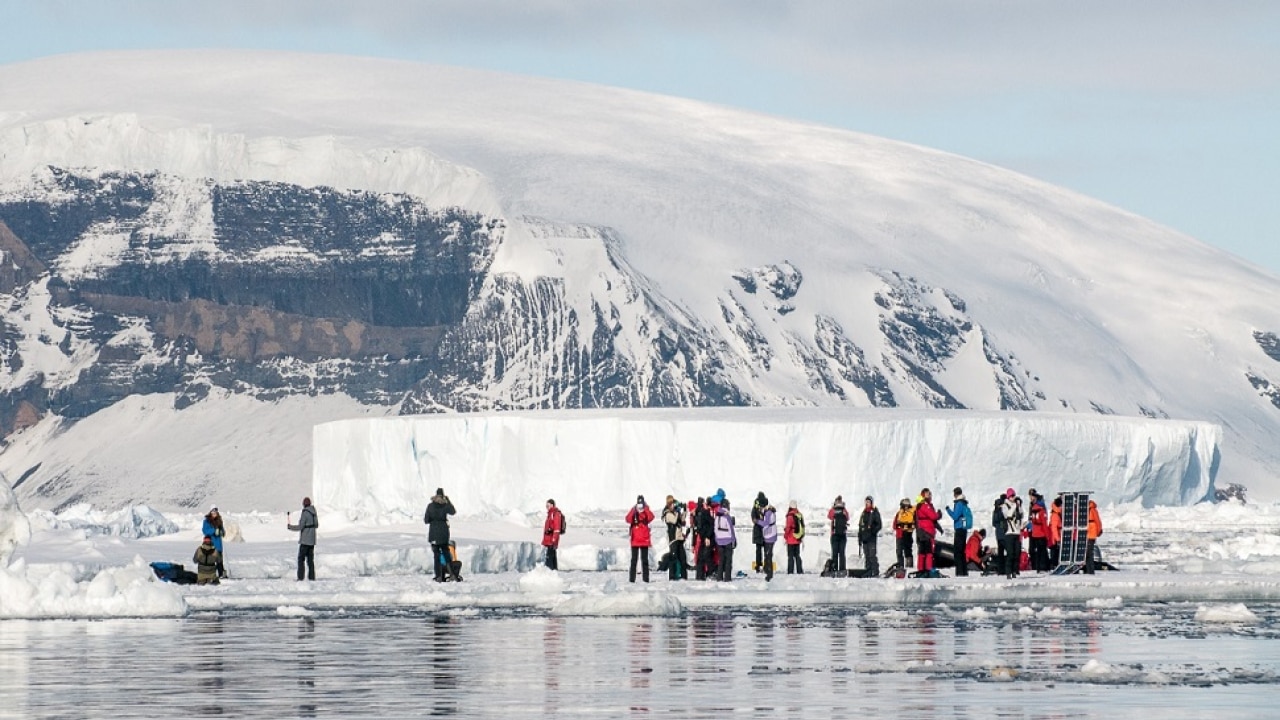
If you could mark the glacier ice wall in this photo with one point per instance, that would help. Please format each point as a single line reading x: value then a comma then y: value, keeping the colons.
x: 387, y: 468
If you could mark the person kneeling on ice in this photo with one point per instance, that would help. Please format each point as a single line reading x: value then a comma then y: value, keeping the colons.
x: 975, y: 555
x: 207, y: 559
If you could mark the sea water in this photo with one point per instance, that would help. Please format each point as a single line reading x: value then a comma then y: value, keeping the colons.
x: 985, y: 662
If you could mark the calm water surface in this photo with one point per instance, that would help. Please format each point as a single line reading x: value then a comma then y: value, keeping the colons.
x: 920, y: 663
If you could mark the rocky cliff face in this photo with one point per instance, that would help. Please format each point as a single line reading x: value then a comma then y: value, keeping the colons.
x: 160, y: 284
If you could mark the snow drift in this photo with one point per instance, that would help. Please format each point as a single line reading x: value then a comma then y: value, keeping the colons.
x: 597, y: 460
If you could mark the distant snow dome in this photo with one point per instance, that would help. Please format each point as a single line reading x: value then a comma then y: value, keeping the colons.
x: 387, y: 468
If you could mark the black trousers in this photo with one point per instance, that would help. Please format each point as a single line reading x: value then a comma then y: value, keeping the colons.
x: 726, y: 562
x: 442, y: 556
x: 678, y: 568
x: 1012, y: 554
x: 838, y: 543
x: 706, y: 559
x: 307, y: 556
x: 957, y: 551
x: 869, y: 552
x: 1088, y: 556
x: 641, y: 555
x: 551, y: 558
x: 794, y: 565
x: 768, y: 561
x: 1039, y: 554
x: 904, y: 551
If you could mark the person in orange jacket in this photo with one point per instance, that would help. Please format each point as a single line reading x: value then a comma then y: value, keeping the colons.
x: 1055, y: 532
x: 1094, y: 530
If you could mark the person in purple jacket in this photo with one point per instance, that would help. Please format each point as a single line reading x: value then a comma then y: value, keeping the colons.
x: 726, y: 540
x: 768, y: 524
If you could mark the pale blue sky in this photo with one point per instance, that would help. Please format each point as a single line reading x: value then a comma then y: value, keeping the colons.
x: 1167, y: 108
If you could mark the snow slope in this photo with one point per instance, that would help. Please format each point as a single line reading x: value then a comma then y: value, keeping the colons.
x: 1094, y: 310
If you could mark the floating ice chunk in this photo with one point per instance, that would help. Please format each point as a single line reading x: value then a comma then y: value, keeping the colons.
x: 542, y: 580
x: 1105, y: 603
x: 621, y: 604
x: 293, y: 611
x: 1234, y: 613
x: 1097, y: 668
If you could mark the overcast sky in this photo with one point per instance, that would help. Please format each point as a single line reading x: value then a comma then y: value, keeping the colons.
x: 1167, y: 108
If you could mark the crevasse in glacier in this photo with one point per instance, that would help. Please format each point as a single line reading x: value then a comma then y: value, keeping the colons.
x: 387, y: 468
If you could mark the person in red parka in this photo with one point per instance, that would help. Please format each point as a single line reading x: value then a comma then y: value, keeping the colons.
x: 551, y: 530
x: 927, y: 517
x: 1038, y: 515
x: 639, y: 518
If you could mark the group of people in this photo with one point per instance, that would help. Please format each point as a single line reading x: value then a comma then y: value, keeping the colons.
x: 712, y: 528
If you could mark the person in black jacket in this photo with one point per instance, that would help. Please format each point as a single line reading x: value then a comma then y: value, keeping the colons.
x: 869, y: 526
x: 704, y: 524
x: 838, y: 516
x: 437, y: 520
x: 757, y: 535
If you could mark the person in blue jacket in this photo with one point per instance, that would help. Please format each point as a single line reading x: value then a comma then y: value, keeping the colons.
x: 214, y: 528
x: 962, y: 522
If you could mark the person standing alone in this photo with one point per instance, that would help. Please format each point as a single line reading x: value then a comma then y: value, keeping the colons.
x: 551, y: 530
x: 639, y: 518
x: 437, y: 519
x: 308, y: 521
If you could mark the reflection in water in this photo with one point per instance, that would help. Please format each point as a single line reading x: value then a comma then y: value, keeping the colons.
x: 920, y: 663
x: 209, y: 670
x: 306, y: 667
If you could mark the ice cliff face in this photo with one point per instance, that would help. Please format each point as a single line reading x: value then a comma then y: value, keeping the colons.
x: 268, y: 228
x: 387, y: 469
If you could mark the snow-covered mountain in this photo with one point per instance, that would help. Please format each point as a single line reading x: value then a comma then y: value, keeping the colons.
x: 206, y: 252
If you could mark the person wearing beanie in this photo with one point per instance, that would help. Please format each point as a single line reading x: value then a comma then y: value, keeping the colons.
x: 757, y: 533
x: 838, y: 516
x: 726, y: 540
x: 638, y: 518
x: 927, y: 517
x: 904, y: 528
x: 1009, y: 513
x: 306, y: 526
x: 551, y: 530
x: 961, y: 521
x: 216, y: 530
x: 768, y: 525
x: 206, y: 559
x: 436, y: 518
x: 673, y: 516
x: 869, y: 526
x: 793, y: 534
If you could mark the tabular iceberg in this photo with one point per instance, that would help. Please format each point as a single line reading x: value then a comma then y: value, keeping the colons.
x: 387, y: 468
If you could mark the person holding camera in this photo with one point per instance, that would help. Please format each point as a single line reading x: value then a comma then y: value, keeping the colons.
x: 437, y: 520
